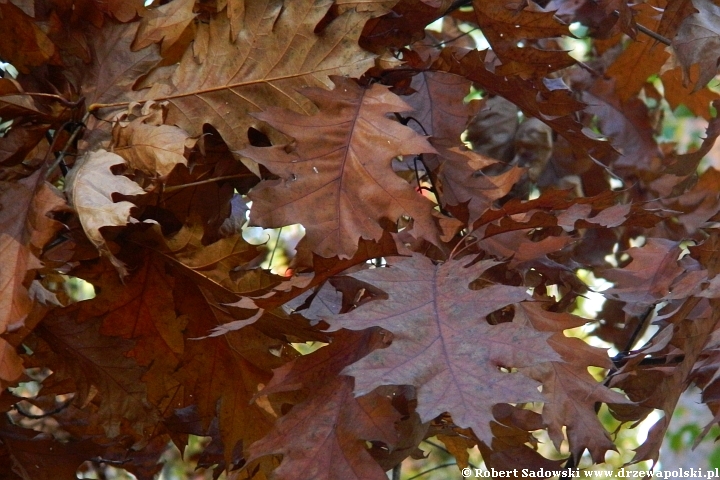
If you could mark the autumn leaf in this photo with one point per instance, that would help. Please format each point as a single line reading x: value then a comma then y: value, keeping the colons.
x: 97, y: 364
x: 696, y: 42
x: 509, y: 26
x: 148, y: 145
x: 571, y: 392
x: 278, y: 51
x: 439, y: 328
x: 468, y: 191
x: 439, y: 107
x: 90, y: 186
x: 330, y: 428
x: 648, y: 277
x: 26, y: 229
x: 165, y: 24
x: 25, y: 44
x: 341, y: 173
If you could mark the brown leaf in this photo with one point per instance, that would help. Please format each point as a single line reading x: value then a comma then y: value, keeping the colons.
x: 640, y: 60
x: 155, y: 149
x: 116, y: 68
x: 698, y: 42
x: 511, y: 28
x: 340, y: 173
x: 463, y: 182
x: 221, y: 375
x: 403, y: 26
x: 309, y: 371
x: 324, y: 437
x: 276, y: 54
x: 98, y: 366
x: 90, y: 186
x: 492, y: 130
x: 25, y: 230
x: 439, y: 330
x: 627, y: 125
x: 24, y: 44
x: 677, y: 93
x: 647, y: 279
x: 37, y: 456
x: 165, y: 24
x: 439, y: 107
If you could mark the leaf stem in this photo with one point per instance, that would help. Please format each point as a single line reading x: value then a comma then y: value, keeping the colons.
x: 654, y: 35
x: 61, y: 157
x: 202, y: 182
x: 425, y: 472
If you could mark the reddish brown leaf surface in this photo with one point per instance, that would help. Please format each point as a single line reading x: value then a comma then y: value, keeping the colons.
x: 339, y: 173
x: 509, y: 26
x: 148, y: 145
x: 439, y: 280
x: 697, y: 42
x: 648, y: 277
x: 164, y: 24
x: 97, y: 364
x: 330, y: 428
x: 439, y: 107
x: 463, y: 182
x: 439, y: 329
x: 571, y: 391
x: 26, y: 229
x: 277, y: 51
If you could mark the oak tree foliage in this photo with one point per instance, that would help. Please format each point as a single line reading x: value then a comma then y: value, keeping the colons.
x: 447, y: 241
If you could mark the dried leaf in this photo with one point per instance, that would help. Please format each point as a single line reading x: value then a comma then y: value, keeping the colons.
x: 439, y: 328
x: 329, y: 428
x: 336, y: 174
x: 165, y: 24
x: 278, y: 51
x: 90, y: 186
x: 697, y: 42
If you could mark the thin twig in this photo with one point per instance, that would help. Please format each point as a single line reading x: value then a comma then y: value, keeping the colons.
x: 33, y: 416
x: 58, y: 98
x: 441, y: 448
x: 648, y: 32
x: 202, y: 182
x: 61, y: 157
x: 277, y: 242
x: 432, y: 469
x: 445, y: 42
x: 397, y: 469
x: 654, y: 35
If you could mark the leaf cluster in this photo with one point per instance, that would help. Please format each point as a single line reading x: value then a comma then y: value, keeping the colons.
x: 446, y: 240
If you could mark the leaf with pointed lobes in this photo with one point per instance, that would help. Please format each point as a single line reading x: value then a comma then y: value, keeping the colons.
x: 25, y: 229
x: 468, y: 191
x: 404, y: 25
x: 571, y: 391
x: 698, y: 42
x: 341, y: 188
x: 440, y: 109
x: 324, y: 437
x: 515, y: 32
x: 148, y: 145
x: 90, y: 186
x: 648, y: 278
x: 165, y: 24
x: 100, y: 370
x: 230, y: 72
x: 39, y: 456
x: 309, y: 371
x: 443, y: 344
x: 23, y: 44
